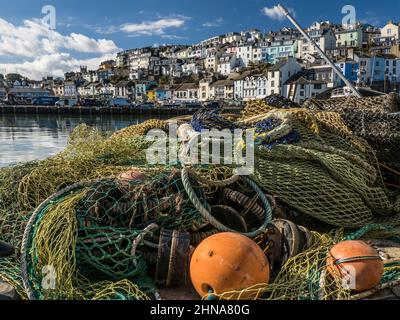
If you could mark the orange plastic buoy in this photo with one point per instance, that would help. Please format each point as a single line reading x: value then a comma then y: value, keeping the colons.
x: 132, y: 175
x: 357, y: 263
x: 228, y: 262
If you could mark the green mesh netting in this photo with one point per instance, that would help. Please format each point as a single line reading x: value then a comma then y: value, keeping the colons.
x: 96, y: 235
x: 327, y: 176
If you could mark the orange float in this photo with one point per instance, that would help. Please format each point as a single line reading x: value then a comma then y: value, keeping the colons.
x: 228, y: 262
x: 131, y: 175
x: 356, y: 262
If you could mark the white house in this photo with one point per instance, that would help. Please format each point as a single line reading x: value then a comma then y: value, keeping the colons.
x: 187, y: 92
x: 303, y: 89
x: 211, y: 42
x: 366, y: 62
x: 70, y: 90
x: 204, y: 89
x: 91, y: 89
x: 232, y: 37
x: 239, y: 85
x: 226, y: 64
x: 222, y: 90
x: 108, y: 89
x: 58, y: 89
x: 136, y: 74
x: 211, y: 61
x: 252, y: 35
x: 392, y: 68
x: 278, y: 74
x: 249, y: 88
x: 323, y: 35
x: 192, y: 67
x: 390, y: 32
x: 255, y: 87
x: 124, y: 89
x: 248, y: 54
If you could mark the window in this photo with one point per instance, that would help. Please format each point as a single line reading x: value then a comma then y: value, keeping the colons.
x: 301, y: 93
x: 387, y: 63
x: 272, y: 83
x: 317, y: 86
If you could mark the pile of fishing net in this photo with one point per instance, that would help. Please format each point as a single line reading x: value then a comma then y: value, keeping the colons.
x: 275, y: 101
x: 96, y: 222
x: 375, y: 119
x: 90, y: 154
x: 102, y: 228
x: 321, y: 169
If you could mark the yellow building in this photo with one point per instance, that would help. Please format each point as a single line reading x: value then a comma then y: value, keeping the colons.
x: 151, y: 95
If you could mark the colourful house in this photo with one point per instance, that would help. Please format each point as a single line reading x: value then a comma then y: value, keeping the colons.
x: 349, y: 69
x: 151, y: 95
x: 350, y: 37
x: 141, y: 88
x: 276, y: 50
x: 163, y: 94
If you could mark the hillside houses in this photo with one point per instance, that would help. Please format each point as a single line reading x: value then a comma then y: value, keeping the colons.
x: 323, y: 35
x: 222, y: 90
x: 187, y: 92
x: 227, y: 64
x: 238, y: 66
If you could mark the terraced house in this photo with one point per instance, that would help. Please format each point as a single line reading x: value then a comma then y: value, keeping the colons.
x: 187, y: 92
x: 273, y: 51
x: 222, y: 90
x: 322, y: 34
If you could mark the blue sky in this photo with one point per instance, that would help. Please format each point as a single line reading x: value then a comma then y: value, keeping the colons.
x: 87, y: 31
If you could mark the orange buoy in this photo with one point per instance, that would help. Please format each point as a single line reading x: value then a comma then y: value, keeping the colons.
x: 228, y: 262
x: 357, y: 263
x: 131, y: 175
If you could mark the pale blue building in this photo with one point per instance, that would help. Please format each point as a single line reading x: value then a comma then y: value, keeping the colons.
x: 273, y: 51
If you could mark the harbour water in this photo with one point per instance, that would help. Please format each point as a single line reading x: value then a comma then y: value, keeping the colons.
x: 33, y: 137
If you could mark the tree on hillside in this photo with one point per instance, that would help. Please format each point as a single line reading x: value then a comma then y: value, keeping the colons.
x: 12, y: 77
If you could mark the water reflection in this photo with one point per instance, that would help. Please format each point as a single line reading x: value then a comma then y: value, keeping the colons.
x: 32, y: 137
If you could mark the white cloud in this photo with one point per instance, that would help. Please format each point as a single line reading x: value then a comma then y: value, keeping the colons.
x: 213, y: 24
x: 149, y: 28
x: 41, y: 51
x: 172, y: 37
x: 275, y: 13
x: 104, y: 30
x: 33, y: 39
x: 53, y: 64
